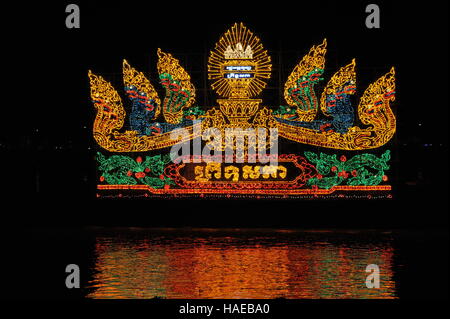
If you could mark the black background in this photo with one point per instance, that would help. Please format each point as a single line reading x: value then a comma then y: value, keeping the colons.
x: 48, y: 151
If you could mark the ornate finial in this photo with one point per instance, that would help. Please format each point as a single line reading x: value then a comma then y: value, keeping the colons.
x: 239, y: 65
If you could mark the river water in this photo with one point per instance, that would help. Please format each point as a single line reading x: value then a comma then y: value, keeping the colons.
x: 241, y: 263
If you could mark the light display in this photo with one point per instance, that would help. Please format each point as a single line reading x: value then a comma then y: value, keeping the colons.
x: 299, y: 88
x: 144, y: 134
x: 354, y: 171
x: 123, y: 170
x: 229, y: 57
x: 146, y: 103
x: 238, y: 68
x: 338, y: 132
x: 180, y: 93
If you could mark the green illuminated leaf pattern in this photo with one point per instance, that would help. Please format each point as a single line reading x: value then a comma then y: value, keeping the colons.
x: 124, y: 170
x: 360, y: 170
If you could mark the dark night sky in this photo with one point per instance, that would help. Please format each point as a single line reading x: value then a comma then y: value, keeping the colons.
x: 47, y: 123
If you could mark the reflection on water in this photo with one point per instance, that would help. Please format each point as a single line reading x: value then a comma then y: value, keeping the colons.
x: 240, y: 264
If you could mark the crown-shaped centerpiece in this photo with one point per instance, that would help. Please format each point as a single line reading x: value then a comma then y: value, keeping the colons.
x: 239, y: 66
x: 239, y: 52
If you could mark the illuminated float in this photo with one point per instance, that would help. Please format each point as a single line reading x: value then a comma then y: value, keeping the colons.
x: 140, y: 162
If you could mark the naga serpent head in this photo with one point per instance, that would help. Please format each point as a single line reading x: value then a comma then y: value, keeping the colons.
x: 313, y: 77
x: 339, y: 102
x: 141, y: 100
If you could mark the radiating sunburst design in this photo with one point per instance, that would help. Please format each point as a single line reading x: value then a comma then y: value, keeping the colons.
x: 242, y: 52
